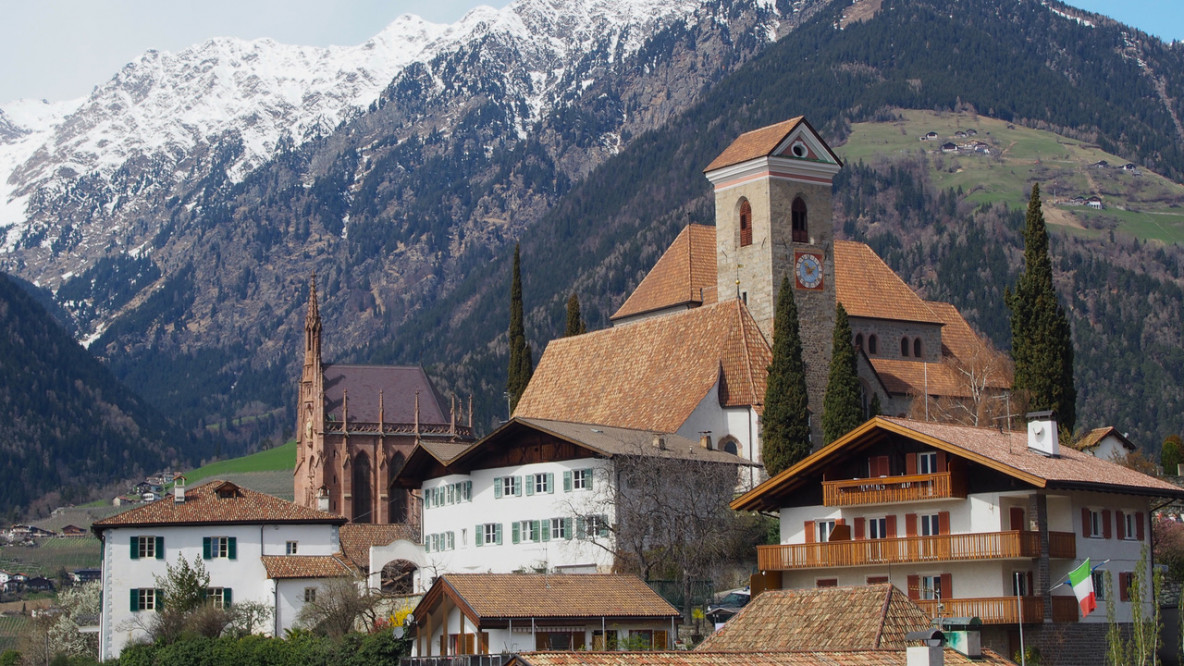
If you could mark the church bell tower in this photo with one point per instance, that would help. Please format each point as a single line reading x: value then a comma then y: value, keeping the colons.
x: 310, y: 449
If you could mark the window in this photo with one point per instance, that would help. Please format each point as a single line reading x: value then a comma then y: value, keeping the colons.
x: 540, y: 484
x: 745, y: 223
x: 917, y: 347
x: 577, y: 479
x: 561, y: 528
x: 144, y: 599
x: 527, y: 531
x: 489, y: 534
x: 876, y: 580
x: 931, y: 587
x: 859, y: 340
x: 1096, y: 525
x: 1125, y: 578
x: 930, y: 525
x: 647, y: 639
x: 219, y: 548
x: 1131, y: 524
x: 507, y: 486
x: 904, y: 347
x: 824, y: 528
x: 927, y: 463
x: 310, y: 595
x: 591, y: 526
x: 1099, y: 584
x: 290, y: 548
x: 801, y: 233
x: 1021, y: 583
x: 147, y: 547
x: 220, y: 597
x: 877, y: 528
x: 826, y: 582
x: 873, y: 344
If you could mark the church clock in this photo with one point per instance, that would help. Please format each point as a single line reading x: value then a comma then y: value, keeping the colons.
x: 808, y: 270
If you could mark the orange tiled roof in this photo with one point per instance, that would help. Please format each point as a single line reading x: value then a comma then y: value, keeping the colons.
x: 203, y: 506
x: 357, y: 539
x: 557, y: 596
x: 837, y: 618
x: 916, y: 377
x: 882, y: 657
x: 684, y: 275
x: 1093, y: 437
x: 650, y: 375
x: 757, y: 143
x: 307, y: 566
x: 867, y: 287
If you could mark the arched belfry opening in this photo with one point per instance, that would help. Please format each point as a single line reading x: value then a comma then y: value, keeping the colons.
x: 745, y: 223
x: 801, y: 232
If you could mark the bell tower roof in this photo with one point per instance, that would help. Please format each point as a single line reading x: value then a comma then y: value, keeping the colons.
x: 791, y: 145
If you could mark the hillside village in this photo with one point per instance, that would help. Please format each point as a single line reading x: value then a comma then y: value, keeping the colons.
x: 632, y: 480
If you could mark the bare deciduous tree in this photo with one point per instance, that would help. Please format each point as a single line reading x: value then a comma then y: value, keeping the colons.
x: 340, y: 606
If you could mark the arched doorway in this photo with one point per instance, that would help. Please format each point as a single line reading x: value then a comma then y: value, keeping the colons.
x: 363, y: 506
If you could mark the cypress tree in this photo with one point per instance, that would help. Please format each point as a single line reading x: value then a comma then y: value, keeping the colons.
x: 785, y: 424
x: 842, y: 407
x: 1171, y: 455
x: 521, y: 365
x: 575, y: 323
x: 1041, y: 342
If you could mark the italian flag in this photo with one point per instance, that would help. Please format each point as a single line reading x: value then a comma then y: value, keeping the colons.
x: 1083, y: 586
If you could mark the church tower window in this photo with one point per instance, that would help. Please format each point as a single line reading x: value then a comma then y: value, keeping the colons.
x: 904, y: 347
x: 917, y: 347
x: 798, y: 218
x: 745, y: 223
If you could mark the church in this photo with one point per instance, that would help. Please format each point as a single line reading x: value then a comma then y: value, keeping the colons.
x: 689, y: 349
x: 356, y: 425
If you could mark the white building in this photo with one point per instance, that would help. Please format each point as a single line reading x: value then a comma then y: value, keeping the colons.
x: 534, y: 495
x: 1108, y: 444
x: 255, y: 547
x: 971, y: 522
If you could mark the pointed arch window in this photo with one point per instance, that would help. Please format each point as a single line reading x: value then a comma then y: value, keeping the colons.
x: 363, y: 509
x: 859, y: 340
x: 872, y: 344
x: 745, y: 223
x: 397, y: 497
x: 801, y: 233
x: 917, y: 347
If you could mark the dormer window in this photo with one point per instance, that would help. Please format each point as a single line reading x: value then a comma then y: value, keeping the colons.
x: 745, y: 223
x: 798, y: 220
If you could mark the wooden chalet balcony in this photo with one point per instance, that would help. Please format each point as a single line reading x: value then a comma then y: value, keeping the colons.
x: 1003, y: 610
x: 887, y: 489
x: 947, y: 547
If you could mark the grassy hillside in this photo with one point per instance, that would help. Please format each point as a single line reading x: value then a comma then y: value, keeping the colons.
x: 1138, y: 203
x: 280, y: 458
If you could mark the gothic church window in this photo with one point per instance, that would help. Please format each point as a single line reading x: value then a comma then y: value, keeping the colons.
x: 917, y: 347
x: 363, y: 511
x: 397, y: 509
x: 872, y: 344
x: 745, y: 223
x: 904, y: 347
x: 798, y: 218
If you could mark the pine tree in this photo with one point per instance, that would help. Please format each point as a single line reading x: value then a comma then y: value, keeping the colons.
x: 785, y: 425
x: 1171, y: 455
x: 1041, y: 342
x: 575, y: 322
x: 521, y: 365
x: 842, y: 407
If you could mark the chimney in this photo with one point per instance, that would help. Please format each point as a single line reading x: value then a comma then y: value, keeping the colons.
x: 930, y: 651
x: 1042, y: 433
x: 322, y: 499
x: 659, y: 442
x: 179, y: 489
x: 705, y: 440
x: 969, y: 643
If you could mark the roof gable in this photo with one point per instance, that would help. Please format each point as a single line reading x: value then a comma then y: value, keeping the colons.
x: 776, y: 140
x: 684, y: 275
x: 867, y: 287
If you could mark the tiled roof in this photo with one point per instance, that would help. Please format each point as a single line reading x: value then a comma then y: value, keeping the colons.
x: 556, y: 596
x: 307, y: 566
x: 757, y: 143
x: 867, y: 287
x: 611, y: 441
x: 915, y: 377
x: 1095, y: 436
x: 837, y: 618
x: 358, y: 538
x: 651, y: 374
x: 398, y: 385
x: 443, y: 451
x: 204, y: 506
x: 684, y: 275
x: 697, y: 658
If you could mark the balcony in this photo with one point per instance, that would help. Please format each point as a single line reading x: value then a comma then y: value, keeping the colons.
x: 1003, y: 610
x: 887, y: 489
x: 944, y: 548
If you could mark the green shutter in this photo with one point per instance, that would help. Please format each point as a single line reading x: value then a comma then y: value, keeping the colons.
x: 497, y: 487
x: 515, y: 531
x: 529, y: 480
x: 159, y: 594
x: 550, y: 482
x: 135, y: 597
x: 546, y: 530
x: 479, y: 535
x: 468, y: 491
x: 567, y: 481
x: 427, y: 499
x: 206, y: 548
x: 537, y: 531
x: 135, y: 551
x: 517, y: 486
x: 226, y: 597
x: 567, y: 531
x: 232, y: 548
x: 498, y: 531
x: 160, y: 548
x: 602, y: 523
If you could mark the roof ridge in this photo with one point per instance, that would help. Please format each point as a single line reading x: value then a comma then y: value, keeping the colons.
x: 883, y: 616
x: 744, y: 345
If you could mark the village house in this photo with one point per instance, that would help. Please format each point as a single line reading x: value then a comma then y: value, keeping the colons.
x: 1108, y: 444
x: 971, y: 522
x: 255, y: 547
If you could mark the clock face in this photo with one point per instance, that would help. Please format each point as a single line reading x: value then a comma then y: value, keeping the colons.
x: 808, y: 270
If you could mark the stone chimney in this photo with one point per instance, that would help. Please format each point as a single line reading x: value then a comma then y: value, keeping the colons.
x: 322, y: 499
x: 705, y: 440
x: 659, y: 442
x: 930, y: 651
x: 179, y: 489
x: 1042, y: 433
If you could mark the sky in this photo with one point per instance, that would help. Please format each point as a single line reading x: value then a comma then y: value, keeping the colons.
x: 61, y: 49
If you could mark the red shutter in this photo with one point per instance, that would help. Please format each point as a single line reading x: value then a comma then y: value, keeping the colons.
x: 1124, y: 586
x: 943, y: 522
x: 947, y: 586
x: 890, y: 527
x: 914, y: 587
x: 910, y: 463
x: 1106, y: 531
x: 1120, y: 524
x: 809, y: 531
x: 910, y: 524
x: 1139, y: 534
x: 860, y: 528
x: 942, y: 465
x: 1085, y: 523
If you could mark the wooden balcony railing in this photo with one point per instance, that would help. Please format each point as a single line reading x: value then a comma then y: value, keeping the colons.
x: 947, y: 547
x: 1003, y: 610
x: 886, y: 489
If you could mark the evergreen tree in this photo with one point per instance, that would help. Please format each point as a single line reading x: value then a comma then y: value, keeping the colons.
x: 1041, y: 342
x: 785, y: 425
x: 521, y: 365
x: 575, y: 322
x: 1171, y: 455
x: 842, y: 407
